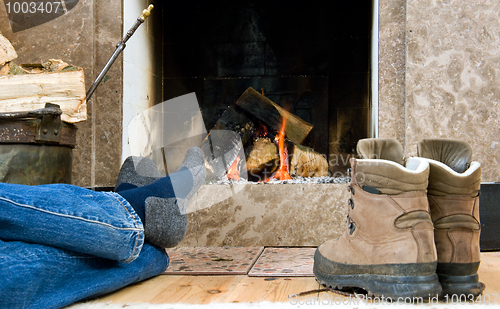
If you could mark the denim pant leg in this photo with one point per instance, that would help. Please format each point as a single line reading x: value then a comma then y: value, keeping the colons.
x: 68, y: 217
x: 38, y: 276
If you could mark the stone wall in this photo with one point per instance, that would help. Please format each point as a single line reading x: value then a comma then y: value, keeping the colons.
x: 86, y: 36
x: 440, y: 80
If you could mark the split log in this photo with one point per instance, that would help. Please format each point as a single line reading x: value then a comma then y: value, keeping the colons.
x: 225, y: 141
x: 272, y: 115
x: 7, y: 51
x: 64, y: 87
x: 308, y: 163
x: 235, y: 120
x: 5, y: 69
x: 262, y: 157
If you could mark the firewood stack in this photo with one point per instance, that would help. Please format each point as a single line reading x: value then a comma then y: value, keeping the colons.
x: 29, y: 87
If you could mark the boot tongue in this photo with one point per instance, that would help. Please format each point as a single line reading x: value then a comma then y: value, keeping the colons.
x: 381, y: 148
x: 456, y: 154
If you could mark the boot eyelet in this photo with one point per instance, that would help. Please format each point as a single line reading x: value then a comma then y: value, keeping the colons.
x: 351, y: 203
x: 350, y: 189
x: 351, y: 228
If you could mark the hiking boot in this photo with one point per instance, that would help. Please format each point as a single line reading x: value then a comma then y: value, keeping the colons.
x: 388, y: 246
x: 453, y: 193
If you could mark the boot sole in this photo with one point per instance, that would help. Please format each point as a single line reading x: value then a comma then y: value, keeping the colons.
x: 393, y: 287
x: 461, y: 285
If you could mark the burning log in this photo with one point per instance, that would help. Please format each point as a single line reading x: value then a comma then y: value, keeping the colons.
x: 272, y: 115
x: 220, y: 147
x: 308, y: 163
x: 263, y: 158
x: 235, y: 120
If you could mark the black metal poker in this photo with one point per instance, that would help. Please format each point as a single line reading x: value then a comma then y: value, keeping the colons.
x: 119, y: 48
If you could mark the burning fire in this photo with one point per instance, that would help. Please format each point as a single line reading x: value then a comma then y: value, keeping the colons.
x: 232, y: 172
x: 282, y: 172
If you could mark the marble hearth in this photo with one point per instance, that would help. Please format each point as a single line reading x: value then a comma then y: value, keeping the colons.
x: 256, y: 214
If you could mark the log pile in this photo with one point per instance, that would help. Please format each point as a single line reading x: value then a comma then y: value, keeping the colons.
x: 257, y: 120
x: 28, y: 87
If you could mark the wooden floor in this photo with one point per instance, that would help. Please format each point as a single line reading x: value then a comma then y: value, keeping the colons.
x: 228, y: 289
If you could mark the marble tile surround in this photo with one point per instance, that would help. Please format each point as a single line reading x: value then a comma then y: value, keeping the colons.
x: 392, y: 64
x: 439, y: 69
x: 266, y: 215
x: 453, y: 76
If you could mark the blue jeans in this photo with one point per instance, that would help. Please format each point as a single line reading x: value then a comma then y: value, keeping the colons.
x: 61, y: 243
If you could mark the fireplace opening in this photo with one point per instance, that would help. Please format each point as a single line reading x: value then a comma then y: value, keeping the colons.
x: 313, y: 59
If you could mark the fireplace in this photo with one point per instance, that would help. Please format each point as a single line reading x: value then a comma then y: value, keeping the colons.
x: 313, y: 59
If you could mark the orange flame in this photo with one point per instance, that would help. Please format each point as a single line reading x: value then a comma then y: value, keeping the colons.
x: 282, y: 172
x: 232, y: 172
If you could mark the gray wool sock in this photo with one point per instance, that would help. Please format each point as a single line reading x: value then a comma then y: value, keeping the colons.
x: 166, y: 223
x: 138, y: 172
x: 166, y: 218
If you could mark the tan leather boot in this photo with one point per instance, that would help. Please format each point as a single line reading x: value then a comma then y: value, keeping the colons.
x: 453, y: 193
x: 388, y: 246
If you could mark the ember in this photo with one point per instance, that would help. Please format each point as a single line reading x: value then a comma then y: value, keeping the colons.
x: 233, y: 171
x: 261, y: 130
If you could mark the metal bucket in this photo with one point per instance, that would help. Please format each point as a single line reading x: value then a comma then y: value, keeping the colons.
x: 36, y: 147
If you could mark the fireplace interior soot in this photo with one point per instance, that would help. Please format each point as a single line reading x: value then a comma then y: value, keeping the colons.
x: 310, y: 61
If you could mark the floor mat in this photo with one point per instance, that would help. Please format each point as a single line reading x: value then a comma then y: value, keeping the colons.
x: 212, y: 260
x: 284, y: 262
